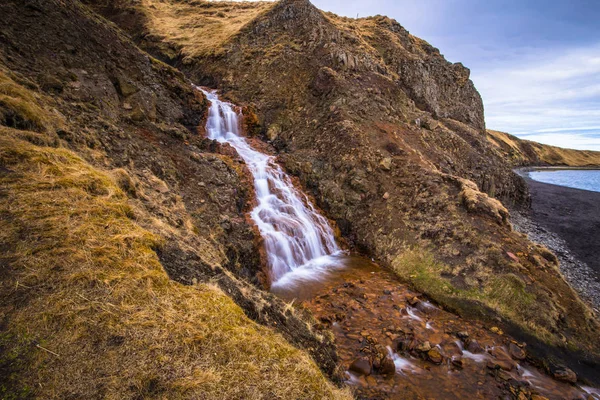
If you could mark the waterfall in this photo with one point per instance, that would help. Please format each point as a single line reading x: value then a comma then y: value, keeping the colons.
x: 299, y: 241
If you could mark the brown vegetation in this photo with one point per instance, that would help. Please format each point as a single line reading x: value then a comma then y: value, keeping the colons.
x: 527, y: 153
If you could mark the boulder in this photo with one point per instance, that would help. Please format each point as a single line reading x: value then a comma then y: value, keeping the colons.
x: 387, y: 366
x: 435, y: 356
x: 361, y: 366
x: 474, y: 347
x: 501, y: 360
x: 516, y: 352
x: 565, y: 375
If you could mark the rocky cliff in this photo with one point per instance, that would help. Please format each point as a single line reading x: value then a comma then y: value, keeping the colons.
x: 390, y: 139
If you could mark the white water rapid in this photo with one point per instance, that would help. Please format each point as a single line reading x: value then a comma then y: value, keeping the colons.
x: 300, y: 243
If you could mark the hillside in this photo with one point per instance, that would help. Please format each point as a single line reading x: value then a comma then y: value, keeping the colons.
x: 126, y: 257
x: 387, y: 135
x: 125, y: 231
x: 523, y: 153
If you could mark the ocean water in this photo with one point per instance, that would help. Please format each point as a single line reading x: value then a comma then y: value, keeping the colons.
x: 573, y: 178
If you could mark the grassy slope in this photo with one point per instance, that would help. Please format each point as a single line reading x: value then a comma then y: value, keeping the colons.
x: 525, y: 152
x: 82, y: 280
x: 86, y: 308
x: 462, y: 258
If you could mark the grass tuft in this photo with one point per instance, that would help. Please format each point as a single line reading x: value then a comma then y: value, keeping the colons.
x: 18, y: 107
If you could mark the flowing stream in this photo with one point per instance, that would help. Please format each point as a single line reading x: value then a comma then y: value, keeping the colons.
x: 299, y: 242
x: 307, y: 264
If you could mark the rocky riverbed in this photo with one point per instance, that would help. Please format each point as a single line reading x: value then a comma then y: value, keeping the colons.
x: 394, y: 344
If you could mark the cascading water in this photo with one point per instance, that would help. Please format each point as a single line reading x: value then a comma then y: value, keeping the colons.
x: 300, y: 243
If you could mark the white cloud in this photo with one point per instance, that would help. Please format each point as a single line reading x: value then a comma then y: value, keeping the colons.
x: 549, y: 94
x: 566, y: 140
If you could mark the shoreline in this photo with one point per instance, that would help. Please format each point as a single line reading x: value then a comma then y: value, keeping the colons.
x: 520, y: 170
x: 567, y: 221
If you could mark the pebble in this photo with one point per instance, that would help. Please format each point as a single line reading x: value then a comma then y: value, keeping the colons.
x: 435, y: 356
x: 424, y: 347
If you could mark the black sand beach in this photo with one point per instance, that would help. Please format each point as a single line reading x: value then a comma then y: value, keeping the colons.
x: 572, y: 214
x: 567, y: 221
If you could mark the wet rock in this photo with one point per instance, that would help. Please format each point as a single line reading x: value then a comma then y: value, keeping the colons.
x: 426, y: 308
x: 424, y: 347
x: 435, y: 356
x: 565, y: 375
x: 413, y: 301
x: 361, y: 366
x: 463, y: 335
x: 506, y: 365
x: 457, y: 362
x: 516, y: 352
x: 501, y: 360
x: 474, y: 347
x: 387, y: 366
x: 503, y: 375
x: 405, y: 345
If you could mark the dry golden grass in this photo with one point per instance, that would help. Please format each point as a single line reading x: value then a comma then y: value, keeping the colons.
x: 517, y: 150
x: 200, y: 27
x: 81, y: 280
x: 19, y: 107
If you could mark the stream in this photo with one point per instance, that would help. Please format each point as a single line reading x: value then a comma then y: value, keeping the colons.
x: 393, y: 343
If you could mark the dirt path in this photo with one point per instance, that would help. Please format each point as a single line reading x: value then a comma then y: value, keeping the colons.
x: 397, y: 346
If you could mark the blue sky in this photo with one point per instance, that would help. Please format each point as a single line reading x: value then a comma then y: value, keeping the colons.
x: 536, y: 63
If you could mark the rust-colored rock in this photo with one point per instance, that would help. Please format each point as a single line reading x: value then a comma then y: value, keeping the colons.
x: 516, y: 352
x: 361, y: 366
x: 565, y: 375
x: 435, y: 356
x: 387, y: 366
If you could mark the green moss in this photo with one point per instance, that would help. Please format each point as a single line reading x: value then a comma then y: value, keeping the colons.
x: 505, y: 294
x: 15, y: 354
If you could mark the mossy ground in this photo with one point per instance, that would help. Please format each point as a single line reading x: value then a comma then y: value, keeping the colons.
x: 505, y: 294
x: 88, y: 309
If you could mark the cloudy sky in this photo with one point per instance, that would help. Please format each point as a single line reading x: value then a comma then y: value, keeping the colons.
x: 535, y: 62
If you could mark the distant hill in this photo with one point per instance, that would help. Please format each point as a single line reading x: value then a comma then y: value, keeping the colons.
x: 522, y: 152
